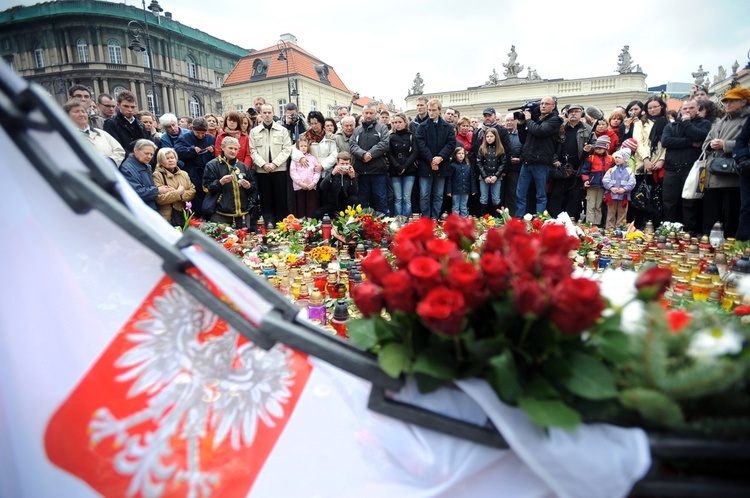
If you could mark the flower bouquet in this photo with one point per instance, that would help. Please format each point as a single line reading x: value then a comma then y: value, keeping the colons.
x: 511, y: 312
x: 554, y: 342
x: 357, y: 224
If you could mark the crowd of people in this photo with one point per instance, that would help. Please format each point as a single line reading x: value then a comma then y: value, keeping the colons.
x: 242, y: 167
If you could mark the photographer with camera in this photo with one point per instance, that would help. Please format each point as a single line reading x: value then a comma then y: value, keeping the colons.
x: 538, y: 131
x: 294, y: 121
x: 578, y: 143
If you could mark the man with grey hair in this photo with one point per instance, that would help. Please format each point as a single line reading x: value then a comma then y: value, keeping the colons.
x: 368, y: 145
x: 137, y: 171
x: 344, y: 133
x: 270, y: 147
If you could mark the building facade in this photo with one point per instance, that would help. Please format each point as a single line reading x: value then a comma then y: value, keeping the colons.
x: 58, y: 44
x: 605, y: 92
x: 284, y: 73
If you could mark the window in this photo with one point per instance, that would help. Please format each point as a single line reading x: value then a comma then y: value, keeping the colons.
x: 313, y: 105
x: 240, y: 108
x: 191, y: 70
x: 145, y: 58
x: 195, y: 107
x: 330, y: 111
x: 39, y: 55
x: 282, y: 104
x: 115, y: 52
x: 83, y: 50
x: 217, y: 63
x: 6, y: 44
x: 219, y: 81
x: 117, y: 91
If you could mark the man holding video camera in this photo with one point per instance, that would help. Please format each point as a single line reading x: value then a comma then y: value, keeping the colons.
x: 538, y: 130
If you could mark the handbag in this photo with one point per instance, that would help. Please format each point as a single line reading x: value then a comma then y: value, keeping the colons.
x: 641, y: 196
x: 696, y: 179
x: 561, y: 172
x: 723, y: 166
x: 208, y: 207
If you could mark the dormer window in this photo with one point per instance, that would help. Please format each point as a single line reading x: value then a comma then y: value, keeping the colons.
x: 322, y: 70
x: 260, y: 69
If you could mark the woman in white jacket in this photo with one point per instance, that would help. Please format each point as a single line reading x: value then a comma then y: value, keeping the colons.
x: 322, y: 144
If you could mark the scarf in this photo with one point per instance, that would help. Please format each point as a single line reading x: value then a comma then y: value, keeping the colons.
x: 315, y: 137
x: 654, y: 138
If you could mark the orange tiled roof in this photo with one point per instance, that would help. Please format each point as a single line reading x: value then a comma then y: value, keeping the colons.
x: 301, y: 63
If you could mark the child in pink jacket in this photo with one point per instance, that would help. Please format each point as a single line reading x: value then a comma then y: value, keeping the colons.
x: 305, y: 181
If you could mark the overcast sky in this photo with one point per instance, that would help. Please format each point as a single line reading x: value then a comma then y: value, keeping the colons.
x: 377, y: 47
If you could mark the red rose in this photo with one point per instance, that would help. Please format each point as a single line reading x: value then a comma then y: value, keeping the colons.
x: 514, y: 229
x: 496, y: 272
x: 376, y: 267
x: 555, y: 239
x: 576, y: 304
x: 525, y: 254
x: 741, y: 310
x: 416, y: 231
x: 677, y: 319
x: 427, y: 273
x: 555, y: 267
x: 368, y: 298
x: 465, y: 278
x: 443, y: 310
x: 652, y: 283
x: 399, y: 292
x: 536, y: 224
x: 494, y: 241
x: 441, y: 248
x: 406, y: 250
x: 459, y: 229
x: 529, y: 297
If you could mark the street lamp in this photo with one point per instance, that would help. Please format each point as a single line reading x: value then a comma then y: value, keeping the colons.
x: 284, y: 56
x: 137, y: 29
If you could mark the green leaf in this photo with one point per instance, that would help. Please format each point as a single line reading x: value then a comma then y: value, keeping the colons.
x: 393, y: 359
x: 427, y: 383
x: 484, y: 349
x: 653, y: 406
x: 540, y: 387
x: 589, y: 378
x: 503, y: 377
x: 612, y: 345
x: 550, y: 412
x: 362, y: 333
x: 437, y: 362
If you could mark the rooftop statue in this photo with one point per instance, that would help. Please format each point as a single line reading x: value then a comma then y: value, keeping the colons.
x: 624, y: 61
x: 417, y: 87
x: 700, y: 75
x: 512, y: 68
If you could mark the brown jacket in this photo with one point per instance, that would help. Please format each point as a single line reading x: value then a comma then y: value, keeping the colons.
x: 172, y: 200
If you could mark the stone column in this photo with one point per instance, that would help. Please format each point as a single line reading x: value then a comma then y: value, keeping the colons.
x: 165, y: 106
x: 105, y: 86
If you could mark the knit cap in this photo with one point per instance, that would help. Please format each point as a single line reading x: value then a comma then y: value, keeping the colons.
x: 602, y: 142
x: 630, y: 143
x: 623, y: 153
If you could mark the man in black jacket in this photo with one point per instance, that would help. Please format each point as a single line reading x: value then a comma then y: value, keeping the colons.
x: 436, y: 141
x: 124, y: 126
x: 368, y: 146
x: 683, y: 140
x: 338, y: 188
x: 539, y: 137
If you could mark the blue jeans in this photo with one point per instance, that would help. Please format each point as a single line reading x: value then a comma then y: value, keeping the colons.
x: 402, y: 186
x: 461, y: 204
x: 373, y: 186
x: 431, y: 195
x: 485, y: 189
x: 538, y: 174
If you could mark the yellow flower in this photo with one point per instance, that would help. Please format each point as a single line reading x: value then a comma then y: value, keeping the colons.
x: 359, y: 208
x: 291, y: 258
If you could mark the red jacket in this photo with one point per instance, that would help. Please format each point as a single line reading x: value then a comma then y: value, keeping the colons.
x: 614, y: 139
x: 244, y: 153
x: 464, y: 140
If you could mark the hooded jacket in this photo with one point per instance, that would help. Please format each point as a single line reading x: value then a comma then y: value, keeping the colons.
x: 372, y: 137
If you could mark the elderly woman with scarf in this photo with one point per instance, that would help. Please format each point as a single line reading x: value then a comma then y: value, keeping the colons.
x: 322, y: 144
x: 232, y: 128
x: 649, y: 156
x: 235, y: 185
x: 721, y: 200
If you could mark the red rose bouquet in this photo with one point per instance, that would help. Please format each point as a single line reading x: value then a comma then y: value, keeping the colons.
x: 510, y: 311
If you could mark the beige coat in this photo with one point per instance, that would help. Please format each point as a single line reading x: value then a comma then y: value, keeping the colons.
x: 727, y: 129
x: 276, y: 140
x: 641, y: 132
x: 165, y: 203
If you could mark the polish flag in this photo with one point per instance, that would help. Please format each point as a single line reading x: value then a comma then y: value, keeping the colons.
x: 117, y: 382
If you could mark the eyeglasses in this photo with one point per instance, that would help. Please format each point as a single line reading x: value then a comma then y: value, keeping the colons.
x: 109, y: 106
x: 653, y: 107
